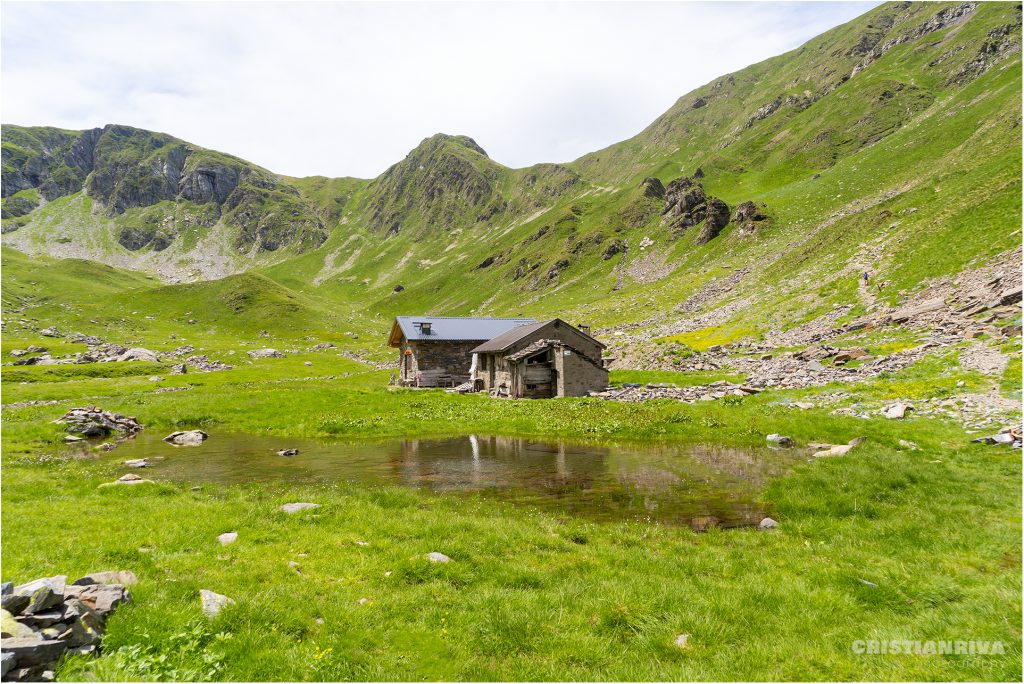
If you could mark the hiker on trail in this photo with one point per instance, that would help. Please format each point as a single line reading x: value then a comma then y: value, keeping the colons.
x: 865, y: 278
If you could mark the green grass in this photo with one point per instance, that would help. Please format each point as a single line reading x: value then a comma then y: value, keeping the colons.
x: 529, y: 595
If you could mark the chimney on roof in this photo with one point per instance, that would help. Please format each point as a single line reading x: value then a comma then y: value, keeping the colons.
x: 424, y: 328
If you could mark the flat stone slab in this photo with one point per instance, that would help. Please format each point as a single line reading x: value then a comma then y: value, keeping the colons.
x: 33, y: 651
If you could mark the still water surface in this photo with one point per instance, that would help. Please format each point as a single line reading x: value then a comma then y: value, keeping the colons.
x: 700, y: 486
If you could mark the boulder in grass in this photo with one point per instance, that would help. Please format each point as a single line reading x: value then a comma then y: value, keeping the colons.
x: 767, y: 524
x: 139, y: 354
x: 95, y: 422
x: 437, y: 557
x: 187, y: 438
x: 213, y: 603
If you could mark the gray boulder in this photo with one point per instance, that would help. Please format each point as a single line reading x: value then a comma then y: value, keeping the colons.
x: 437, y: 557
x: 767, y: 524
x: 213, y: 603
x: 139, y: 354
x: 187, y: 438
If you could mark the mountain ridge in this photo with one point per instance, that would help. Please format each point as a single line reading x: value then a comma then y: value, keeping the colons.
x: 790, y: 160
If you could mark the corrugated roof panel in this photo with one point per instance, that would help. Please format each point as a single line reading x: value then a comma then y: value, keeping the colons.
x: 457, y: 328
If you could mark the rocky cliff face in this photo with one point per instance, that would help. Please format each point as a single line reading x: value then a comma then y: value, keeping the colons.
x: 123, y: 168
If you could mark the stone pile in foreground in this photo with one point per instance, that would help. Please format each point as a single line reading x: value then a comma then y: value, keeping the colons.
x: 46, y: 618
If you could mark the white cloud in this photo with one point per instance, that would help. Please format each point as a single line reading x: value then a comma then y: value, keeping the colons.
x: 349, y: 88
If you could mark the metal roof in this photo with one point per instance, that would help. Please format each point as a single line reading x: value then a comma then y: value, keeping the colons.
x: 454, y: 328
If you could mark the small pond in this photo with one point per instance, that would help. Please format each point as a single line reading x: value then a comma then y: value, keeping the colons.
x: 699, y: 486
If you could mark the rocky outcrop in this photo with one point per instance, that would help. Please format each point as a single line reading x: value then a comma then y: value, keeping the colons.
x: 124, y: 169
x: 652, y: 187
x: 747, y: 218
x: 687, y: 205
x: 46, y: 618
x: 95, y: 422
x: 717, y: 219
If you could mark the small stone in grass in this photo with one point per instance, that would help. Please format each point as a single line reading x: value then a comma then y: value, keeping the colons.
x: 228, y: 538
x: 436, y: 557
x: 682, y: 641
x: 213, y: 603
x: 296, y: 507
x: 768, y: 524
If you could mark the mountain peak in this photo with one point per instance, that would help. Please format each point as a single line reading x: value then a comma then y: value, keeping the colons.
x: 439, y: 140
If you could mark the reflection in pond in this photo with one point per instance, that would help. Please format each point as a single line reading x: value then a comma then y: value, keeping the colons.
x: 700, y: 486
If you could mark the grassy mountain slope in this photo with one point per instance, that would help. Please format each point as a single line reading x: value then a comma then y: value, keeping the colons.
x: 872, y: 147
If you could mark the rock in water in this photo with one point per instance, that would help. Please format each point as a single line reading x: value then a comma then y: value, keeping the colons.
x: 296, y: 507
x: 780, y: 440
x: 436, y: 557
x: 186, y: 438
x: 214, y: 603
x: 287, y: 452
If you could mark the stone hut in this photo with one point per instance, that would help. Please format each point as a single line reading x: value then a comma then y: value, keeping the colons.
x: 539, y: 361
x: 436, y: 351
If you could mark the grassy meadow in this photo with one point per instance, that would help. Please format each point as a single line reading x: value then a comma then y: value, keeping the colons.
x: 886, y: 543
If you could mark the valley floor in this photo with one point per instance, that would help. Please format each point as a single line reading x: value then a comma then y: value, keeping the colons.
x: 913, y: 535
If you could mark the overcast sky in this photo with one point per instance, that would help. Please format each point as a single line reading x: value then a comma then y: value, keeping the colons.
x: 347, y: 89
